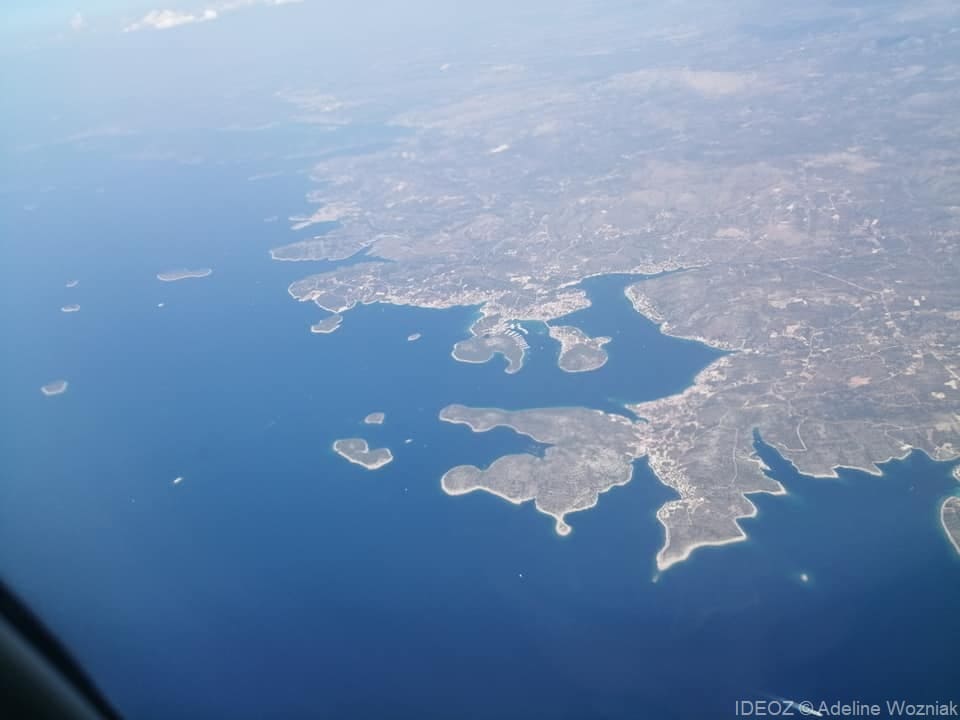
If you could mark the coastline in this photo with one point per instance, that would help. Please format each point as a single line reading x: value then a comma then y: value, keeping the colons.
x: 664, y: 564
x: 571, y: 337
x: 327, y: 325
x: 510, y: 369
x: 560, y: 526
x: 873, y: 471
x: 643, y: 306
x: 186, y: 273
x: 951, y: 504
x: 488, y: 341
x: 57, y: 387
x: 346, y: 454
x: 477, y: 429
x: 665, y: 557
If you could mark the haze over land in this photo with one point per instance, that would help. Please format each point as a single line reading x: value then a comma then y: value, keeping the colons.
x: 544, y: 276
x: 782, y: 174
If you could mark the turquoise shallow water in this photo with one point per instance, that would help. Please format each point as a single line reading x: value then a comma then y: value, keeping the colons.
x: 279, y: 580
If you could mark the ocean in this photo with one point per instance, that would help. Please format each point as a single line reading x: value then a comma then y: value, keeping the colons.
x: 278, y: 580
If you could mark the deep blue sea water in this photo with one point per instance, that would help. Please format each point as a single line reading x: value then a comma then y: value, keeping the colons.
x: 277, y: 580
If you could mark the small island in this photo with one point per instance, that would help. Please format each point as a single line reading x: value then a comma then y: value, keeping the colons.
x: 184, y: 274
x: 358, y: 452
x: 57, y: 387
x: 375, y: 418
x: 950, y: 519
x: 482, y: 348
x: 70, y: 308
x: 327, y: 325
x: 578, y: 351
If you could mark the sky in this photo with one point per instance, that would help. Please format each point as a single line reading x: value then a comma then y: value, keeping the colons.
x: 88, y: 66
x: 27, y: 21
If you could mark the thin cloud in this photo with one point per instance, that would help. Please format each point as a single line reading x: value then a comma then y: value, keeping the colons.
x: 77, y: 22
x: 238, y: 4
x: 166, y: 19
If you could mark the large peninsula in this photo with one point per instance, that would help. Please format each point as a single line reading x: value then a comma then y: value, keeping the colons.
x: 589, y: 452
x: 800, y: 186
